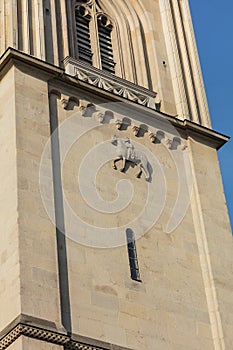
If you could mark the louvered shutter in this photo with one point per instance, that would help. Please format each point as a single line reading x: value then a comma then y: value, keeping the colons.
x: 83, y: 35
x: 105, y: 43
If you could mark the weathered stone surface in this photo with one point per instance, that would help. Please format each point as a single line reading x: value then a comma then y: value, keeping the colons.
x: 71, y: 284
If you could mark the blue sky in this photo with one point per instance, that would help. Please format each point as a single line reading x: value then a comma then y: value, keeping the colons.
x: 213, y: 25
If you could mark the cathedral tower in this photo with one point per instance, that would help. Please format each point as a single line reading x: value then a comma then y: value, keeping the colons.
x: 114, y: 228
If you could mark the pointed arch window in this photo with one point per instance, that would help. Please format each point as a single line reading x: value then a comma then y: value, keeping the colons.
x: 83, y: 39
x: 105, y: 44
x: 93, y: 36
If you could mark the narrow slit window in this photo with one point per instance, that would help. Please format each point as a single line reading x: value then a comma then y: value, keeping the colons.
x: 132, y: 253
x: 105, y: 44
x: 82, y: 20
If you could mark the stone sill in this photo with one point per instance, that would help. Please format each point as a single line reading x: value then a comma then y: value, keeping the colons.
x: 109, y: 82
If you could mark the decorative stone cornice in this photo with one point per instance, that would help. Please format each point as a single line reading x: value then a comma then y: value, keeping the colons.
x: 48, y: 336
x: 32, y: 332
x: 49, y: 332
x: 90, y: 110
x: 55, y: 74
x: 109, y: 82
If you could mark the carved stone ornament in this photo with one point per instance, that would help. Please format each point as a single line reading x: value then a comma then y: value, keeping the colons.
x: 174, y: 143
x: 126, y: 151
x: 100, y: 116
x: 47, y: 336
x: 152, y: 137
x: 103, y: 116
x: 118, y: 124
x: 135, y: 129
x: 69, y: 102
x: 109, y: 82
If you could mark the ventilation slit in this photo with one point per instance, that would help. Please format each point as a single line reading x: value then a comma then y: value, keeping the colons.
x: 132, y: 253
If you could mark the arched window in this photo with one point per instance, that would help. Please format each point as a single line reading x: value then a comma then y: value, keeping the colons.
x: 93, y: 36
x: 82, y: 24
x: 109, y: 36
x: 105, y: 43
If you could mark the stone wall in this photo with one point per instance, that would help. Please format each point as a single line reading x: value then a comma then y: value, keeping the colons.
x: 153, y: 45
x: 75, y: 278
x: 9, y: 247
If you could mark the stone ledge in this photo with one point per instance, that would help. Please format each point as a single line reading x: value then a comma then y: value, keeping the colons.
x: 109, y: 82
x: 49, y: 332
x: 12, y: 54
x: 203, y: 134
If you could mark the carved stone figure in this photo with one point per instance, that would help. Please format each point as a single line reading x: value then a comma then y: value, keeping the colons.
x: 130, y: 148
x: 126, y: 152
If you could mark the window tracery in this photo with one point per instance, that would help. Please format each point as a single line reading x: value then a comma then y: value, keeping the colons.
x: 94, y: 35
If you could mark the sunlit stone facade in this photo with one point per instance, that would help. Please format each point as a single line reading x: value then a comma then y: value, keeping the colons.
x: 136, y: 255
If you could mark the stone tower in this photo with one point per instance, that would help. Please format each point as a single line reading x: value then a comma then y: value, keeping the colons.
x: 92, y: 257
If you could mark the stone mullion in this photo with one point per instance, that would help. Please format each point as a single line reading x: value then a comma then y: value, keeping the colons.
x: 96, y: 59
x: 195, y: 63
x: 174, y: 60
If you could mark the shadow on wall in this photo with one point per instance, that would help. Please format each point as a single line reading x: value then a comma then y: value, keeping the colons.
x: 59, y: 215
